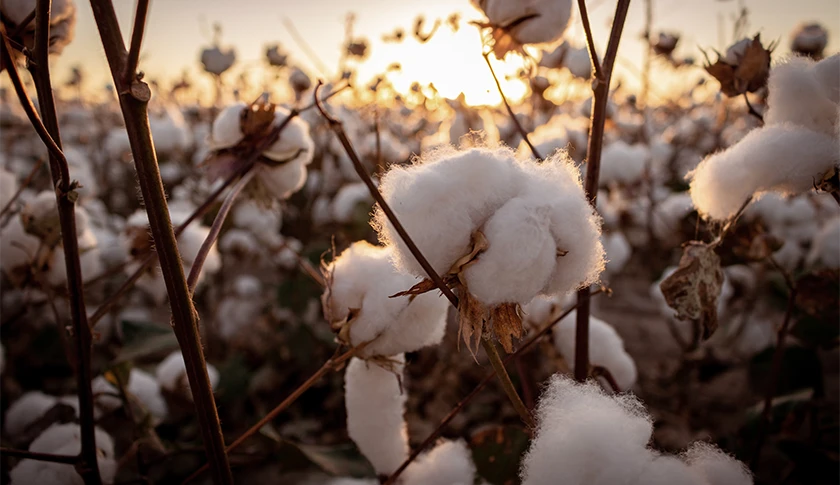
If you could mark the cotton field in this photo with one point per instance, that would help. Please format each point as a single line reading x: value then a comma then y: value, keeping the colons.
x: 537, y: 260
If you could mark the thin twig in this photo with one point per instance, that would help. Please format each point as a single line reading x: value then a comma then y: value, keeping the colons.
x: 600, y: 98
x: 752, y: 110
x: 134, y: 98
x: 215, y: 229
x: 87, y: 465
x: 19, y: 28
x: 519, y: 127
x: 136, y: 40
x: 23, y: 185
x: 469, y: 397
x: 730, y: 223
x: 31, y: 455
x: 490, y: 350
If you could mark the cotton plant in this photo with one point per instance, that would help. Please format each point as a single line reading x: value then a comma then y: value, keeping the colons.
x: 809, y: 39
x: 64, y: 439
x: 62, y: 22
x: 514, y: 24
x: 171, y: 375
x: 141, y: 387
x: 573, y: 58
x: 585, y: 436
x: 795, y: 151
x: 281, y: 168
x: 500, y: 230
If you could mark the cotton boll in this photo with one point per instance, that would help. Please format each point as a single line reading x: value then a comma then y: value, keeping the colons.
x: 669, y: 212
x: 248, y: 214
x: 239, y: 241
x: 715, y: 466
x: 797, y: 96
x: 783, y: 158
x: 363, y: 278
x: 520, y: 256
x: 548, y: 23
x: 8, y: 186
x: 239, y: 311
x: 809, y: 39
x: 227, y: 127
x: 827, y: 72
x: 606, y: 348
x: 294, y: 142
x: 577, y: 61
x: 826, y: 248
x: 537, y: 312
x: 27, y: 409
x: 216, y: 60
x: 89, y: 258
x: 375, y: 404
x: 170, y: 132
x: 618, y: 251
x: 348, y: 198
x: 622, y: 163
x: 171, y: 374
x: 667, y: 470
x: 141, y: 385
x: 448, y: 463
x: 17, y: 247
x: 448, y: 193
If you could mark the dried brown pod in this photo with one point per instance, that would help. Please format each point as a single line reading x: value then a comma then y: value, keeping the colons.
x: 693, y: 289
x: 744, y: 68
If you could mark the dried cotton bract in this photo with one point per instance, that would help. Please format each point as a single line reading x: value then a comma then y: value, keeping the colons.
x: 515, y: 23
x: 358, y: 305
x: 585, y: 437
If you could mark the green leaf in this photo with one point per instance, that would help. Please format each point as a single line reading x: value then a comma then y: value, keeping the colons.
x: 497, y: 451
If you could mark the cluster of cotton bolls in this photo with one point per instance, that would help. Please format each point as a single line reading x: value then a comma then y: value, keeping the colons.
x: 584, y: 436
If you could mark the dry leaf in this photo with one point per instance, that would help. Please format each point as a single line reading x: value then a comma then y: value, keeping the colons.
x: 693, y: 289
x: 472, y: 315
x: 748, y: 75
x: 507, y: 323
x: 256, y: 121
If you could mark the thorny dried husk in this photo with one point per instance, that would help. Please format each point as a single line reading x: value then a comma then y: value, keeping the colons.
x: 507, y: 324
x: 693, y: 289
x: 748, y: 75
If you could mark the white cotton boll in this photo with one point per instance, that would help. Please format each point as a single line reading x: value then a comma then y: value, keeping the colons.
x: 448, y: 463
x: 715, y: 466
x: 170, y: 131
x: 669, y: 212
x: 295, y: 142
x: 623, y: 163
x: 667, y: 470
x: 578, y: 63
x: 227, y: 127
x: 27, y: 409
x: 283, y: 180
x: 797, y: 96
x: 520, y: 257
x: 550, y: 20
x: 217, y: 60
x: 375, y: 404
x: 8, y: 186
x: 363, y: 278
x: 321, y: 211
x: 239, y: 241
x: 251, y: 215
x: 618, y: 251
x: 827, y: 72
x: 736, y: 51
x: 448, y: 193
x: 17, y: 247
x: 606, y: 348
x: 826, y: 248
x: 240, y: 310
x: 141, y: 385
x: 89, y: 258
x: 348, y: 198
x: 537, y: 312
x: 116, y: 144
x: 783, y: 158
x: 808, y: 38
x: 171, y: 374
x: 586, y: 438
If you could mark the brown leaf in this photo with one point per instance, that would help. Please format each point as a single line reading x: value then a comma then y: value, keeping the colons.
x: 479, y: 245
x: 693, y: 289
x: 725, y: 74
x: 256, y: 121
x: 818, y: 295
x: 472, y: 315
x: 507, y: 323
x: 418, y: 289
x: 753, y: 67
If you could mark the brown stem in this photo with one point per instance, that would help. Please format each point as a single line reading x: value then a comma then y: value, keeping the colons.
x: 136, y: 40
x: 25, y: 184
x: 752, y: 109
x: 590, y: 39
x: 134, y: 97
x: 519, y: 127
x: 31, y: 455
x: 332, y: 363
x: 469, y: 397
x: 87, y: 465
x: 491, y: 351
x: 600, y: 95
x: 19, y: 28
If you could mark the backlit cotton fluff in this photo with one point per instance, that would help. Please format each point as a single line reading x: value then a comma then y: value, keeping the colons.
x: 375, y: 404
x: 448, y: 463
x: 585, y: 437
x: 357, y: 303
x: 64, y: 439
x: 783, y: 158
x: 606, y: 348
x: 541, y: 233
x: 800, y: 91
x: 516, y: 23
x: 171, y: 374
x: 622, y: 163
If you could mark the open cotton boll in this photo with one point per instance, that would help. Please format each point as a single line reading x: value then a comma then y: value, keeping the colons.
x: 783, y: 158
x: 606, y: 348
x: 520, y: 256
x: 827, y: 72
x: 27, y: 409
x: 17, y: 247
x: 227, y: 127
x: 363, y: 278
x: 669, y: 212
x: 618, y: 251
x: 715, y: 466
x: 89, y: 258
x: 348, y: 199
x: 826, y: 248
x: 441, y: 199
x: 796, y: 95
x: 170, y: 132
x: 171, y: 374
x: 577, y: 61
x: 255, y: 217
x: 294, y: 142
x: 375, y: 404
x: 217, y: 60
x: 448, y: 463
x: 622, y: 163
x: 141, y: 385
x: 239, y: 311
x: 548, y: 18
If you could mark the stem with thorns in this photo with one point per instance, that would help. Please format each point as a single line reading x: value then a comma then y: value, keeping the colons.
x: 600, y: 94
x: 513, y: 117
x: 134, y: 96
x: 490, y: 350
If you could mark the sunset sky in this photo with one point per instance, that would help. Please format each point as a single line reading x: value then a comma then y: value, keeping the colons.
x: 178, y: 29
